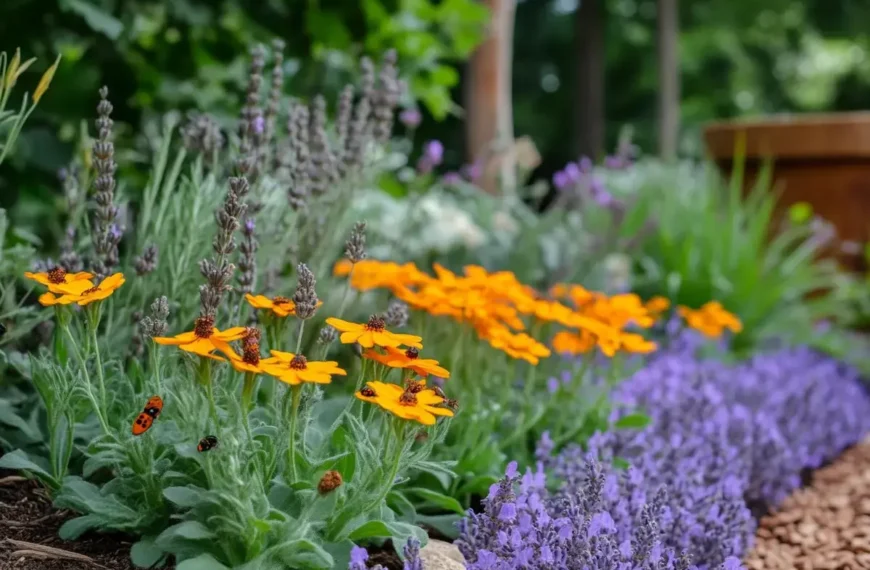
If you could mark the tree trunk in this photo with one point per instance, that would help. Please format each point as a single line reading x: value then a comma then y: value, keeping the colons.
x: 589, y: 37
x: 489, y: 105
x: 669, y: 79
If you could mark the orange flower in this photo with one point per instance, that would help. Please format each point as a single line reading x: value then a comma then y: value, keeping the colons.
x: 413, y: 403
x: 59, y: 281
x: 567, y: 342
x: 517, y: 345
x: 657, y: 305
x: 375, y: 274
x: 205, y: 339
x: 409, y: 359
x: 280, y: 306
x: 295, y: 369
x: 373, y: 333
x: 711, y: 319
x: 87, y: 296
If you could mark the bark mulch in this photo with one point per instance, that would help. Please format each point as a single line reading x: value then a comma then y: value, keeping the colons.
x: 824, y: 526
x: 28, y: 534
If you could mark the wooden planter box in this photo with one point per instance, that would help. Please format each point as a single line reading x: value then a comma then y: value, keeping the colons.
x: 823, y: 160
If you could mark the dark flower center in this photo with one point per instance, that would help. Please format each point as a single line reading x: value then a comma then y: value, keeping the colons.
x: 89, y: 291
x: 281, y: 300
x: 57, y: 275
x: 376, y: 324
x: 330, y: 481
x: 251, y: 354
x: 299, y: 362
x: 408, y: 398
x: 368, y: 392
x: 412, y: 353
x: 415, y: 387
x: 203, y: 327
x: 252, y: 337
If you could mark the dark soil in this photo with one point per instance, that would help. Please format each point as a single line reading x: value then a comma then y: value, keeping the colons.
x: 28, y: 534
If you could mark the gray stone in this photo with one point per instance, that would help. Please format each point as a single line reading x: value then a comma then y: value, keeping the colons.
x: 440, y: 555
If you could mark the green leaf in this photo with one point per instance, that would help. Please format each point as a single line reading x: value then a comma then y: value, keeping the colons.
x: 445, y: 524
x: 184, y: 496
x: 74, y: 528
x: 145, y: 553
x: 620, y: 463
x: 190, y: 530
x: 445, y: 75
x: 371, y: 529
x: 18, y: 460
x: 326, y: 27
x: 302, y: 553
x: 98, y: 19
x: 633, y: 421
x: 201, y: 562
x: 438, y: 499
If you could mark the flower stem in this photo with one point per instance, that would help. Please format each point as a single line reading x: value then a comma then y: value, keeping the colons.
x: 299, y: 337
x: 396, y: 433
x: 88, y: 388
x: 346, y: 296
x: 204, y: 378
x: 100, y: 378
x: 294, y: 414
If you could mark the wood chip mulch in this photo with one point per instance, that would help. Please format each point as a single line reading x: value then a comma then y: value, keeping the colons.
x: 28, y: 534
x: 824, y: 526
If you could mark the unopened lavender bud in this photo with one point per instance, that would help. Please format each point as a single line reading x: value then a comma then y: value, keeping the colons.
x: 155, y: 324
x: 396, y: 315
x: 327, y: 335
x: 355, y: 246
x: 147, y: 262
x: 202, y: 134
x: 248, y: 258
x: 305, y: 296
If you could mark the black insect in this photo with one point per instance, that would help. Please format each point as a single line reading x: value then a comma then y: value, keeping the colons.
x: 207, y: 443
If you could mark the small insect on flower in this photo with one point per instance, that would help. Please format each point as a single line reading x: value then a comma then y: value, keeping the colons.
x: 146, y: 418
x: 207, y: 443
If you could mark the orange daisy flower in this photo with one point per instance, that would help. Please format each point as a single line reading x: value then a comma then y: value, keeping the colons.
x: 280, y: 306
x: 413, y: 403
x: 58, y: 280
x: 408, y: 359
x: 87, y: 296
x: 205, y: 338
x: 295, y: 369
x: 373, y: 333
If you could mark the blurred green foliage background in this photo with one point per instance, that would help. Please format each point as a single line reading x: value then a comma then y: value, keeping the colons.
x: 739, y: 57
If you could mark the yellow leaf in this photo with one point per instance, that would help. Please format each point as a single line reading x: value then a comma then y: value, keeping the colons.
x: 45, y: 81
x: 12, y: 70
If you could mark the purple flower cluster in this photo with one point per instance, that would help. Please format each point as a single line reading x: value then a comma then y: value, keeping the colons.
x: 722, y: 437
x: 433, y: 155
x: 578, y: 180
x: 359, y: 557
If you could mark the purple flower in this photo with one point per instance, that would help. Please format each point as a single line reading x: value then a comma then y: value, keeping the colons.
x: 561, y: 180
x: 472, y: 171
x: 433, y: 154
x: 552, y: 385
x: 451, y: 178
x: 572, y: 171
x: 411, y: 118
x: 721, y: 435
x: 358, y: 558
x: 259, y: 125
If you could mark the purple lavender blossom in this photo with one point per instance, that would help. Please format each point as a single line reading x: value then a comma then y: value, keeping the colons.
x: 561, y: 180
x: 433, y: 154
x: 721, y: 435
x: 451, y: 178
x: 259, y: 124
x: 411, y: 118
x: 473, y: 171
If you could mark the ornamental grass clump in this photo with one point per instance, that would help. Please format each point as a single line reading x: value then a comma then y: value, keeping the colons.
x: 201, y: 411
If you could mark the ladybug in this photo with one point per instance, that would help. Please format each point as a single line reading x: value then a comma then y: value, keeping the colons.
x: 146, y: 417
x: 207, y: 443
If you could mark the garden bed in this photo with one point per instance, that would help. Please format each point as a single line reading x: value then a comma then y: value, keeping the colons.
x: 29, y: 534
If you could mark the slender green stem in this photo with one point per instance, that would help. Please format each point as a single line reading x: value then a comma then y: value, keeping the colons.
x: 346, y: 296
x: 88, y: 388
x: 204, y: 378
x: 294, y: 414
x: 396, y: 435
x: 299, y: 337
x: 99, y: 364
x: 247, y: 391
